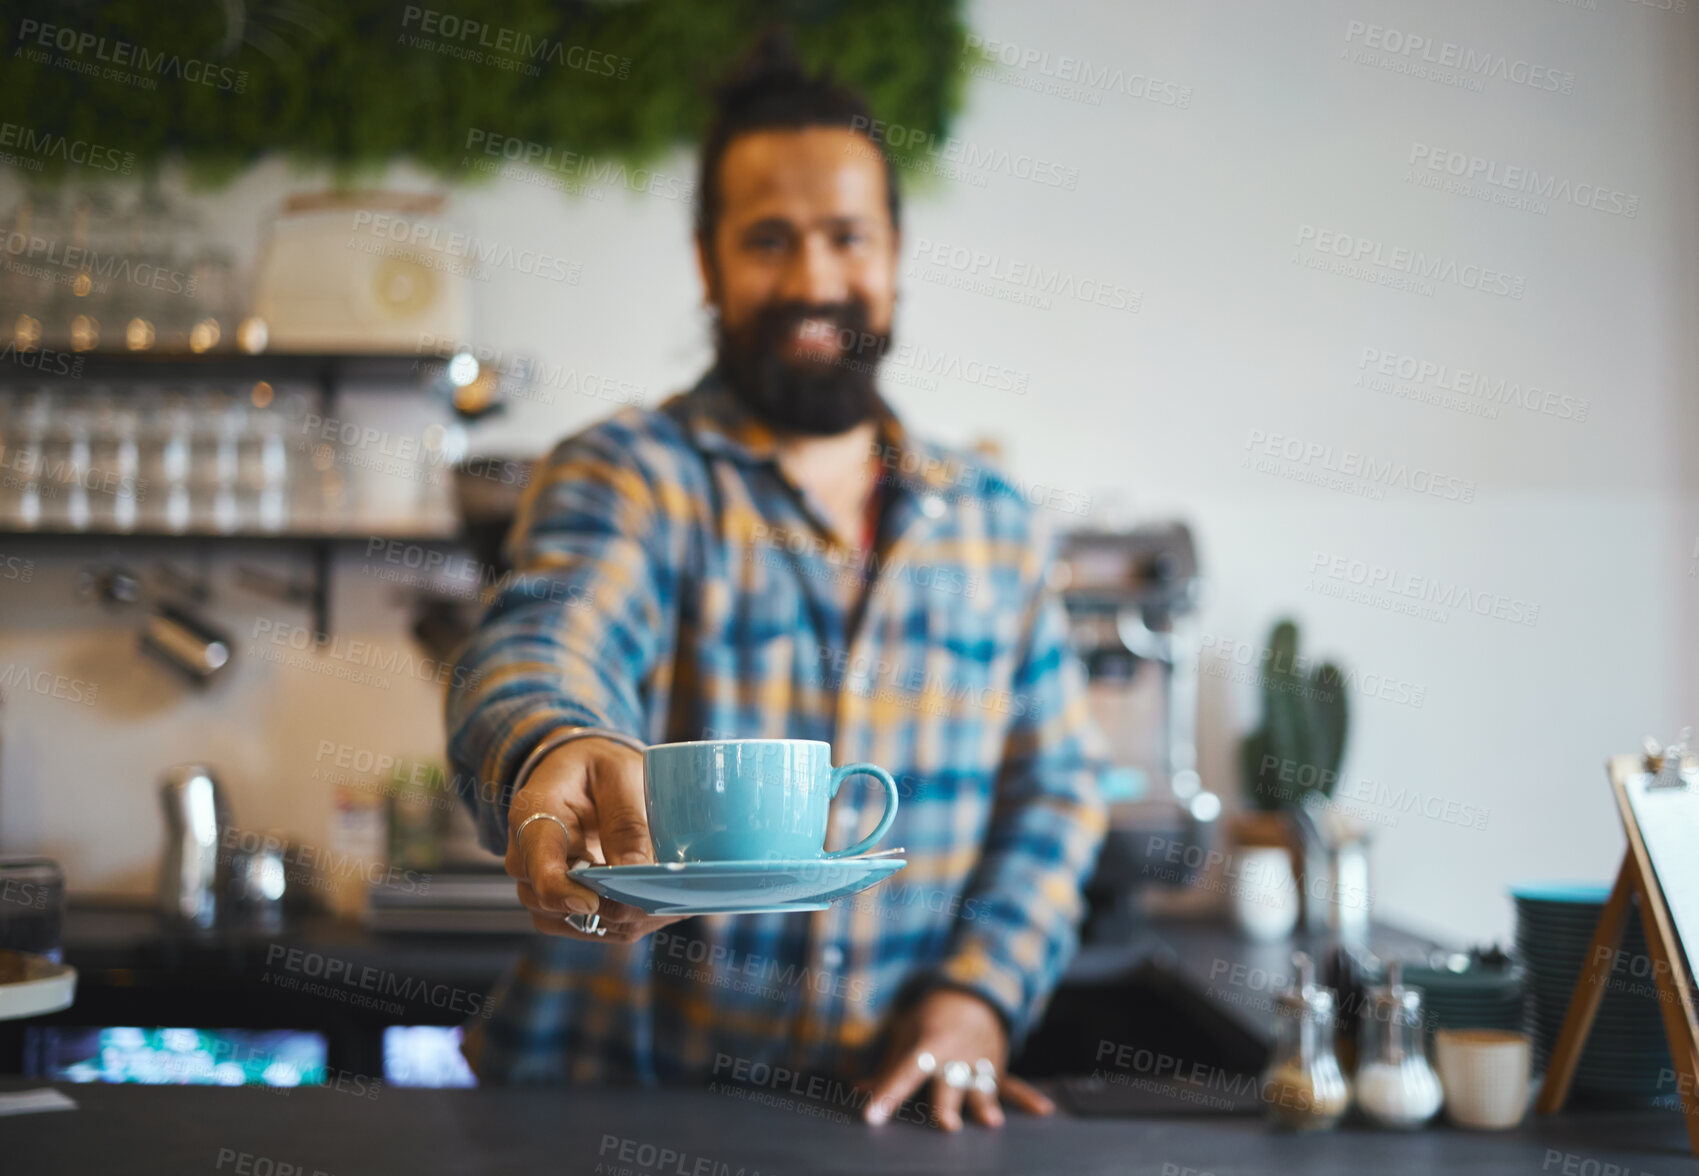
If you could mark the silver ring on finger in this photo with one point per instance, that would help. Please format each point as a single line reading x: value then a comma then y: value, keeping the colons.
x: 927, y: 1062
x: 985, y: 1076
x: 957, y: 1075
x: 526, y: 823
x: 586, y: 924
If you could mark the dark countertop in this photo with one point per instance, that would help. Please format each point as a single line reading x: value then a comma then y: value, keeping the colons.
x: 128, y: 945
x: 1236, y: 977
x: 1206, y: 988
x: 250, y: 1132
x: 132, y: 937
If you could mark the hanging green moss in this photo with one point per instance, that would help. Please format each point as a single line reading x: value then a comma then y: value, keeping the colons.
x: 360, y: 84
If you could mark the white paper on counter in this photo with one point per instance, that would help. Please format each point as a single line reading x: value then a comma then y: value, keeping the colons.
x: 31, y: 1102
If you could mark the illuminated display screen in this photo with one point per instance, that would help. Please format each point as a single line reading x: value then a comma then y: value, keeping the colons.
x: 187, y: 1057
x: 425, y: 1055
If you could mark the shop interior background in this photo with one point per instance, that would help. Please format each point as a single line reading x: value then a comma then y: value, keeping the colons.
x: 1266, y: 135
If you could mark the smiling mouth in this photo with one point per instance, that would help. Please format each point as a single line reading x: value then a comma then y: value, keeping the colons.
x: 814, y: 338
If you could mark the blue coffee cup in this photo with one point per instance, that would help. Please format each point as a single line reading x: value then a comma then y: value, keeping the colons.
x: 742, y: 800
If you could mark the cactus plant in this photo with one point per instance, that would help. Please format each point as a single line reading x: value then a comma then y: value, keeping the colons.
x: 1301, y: 743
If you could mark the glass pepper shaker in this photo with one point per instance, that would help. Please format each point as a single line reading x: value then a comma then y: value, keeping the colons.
x: 1303, y: 1087
x: 1396, y: 1085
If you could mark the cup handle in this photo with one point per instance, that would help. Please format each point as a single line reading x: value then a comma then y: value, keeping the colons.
x: 890, y: 814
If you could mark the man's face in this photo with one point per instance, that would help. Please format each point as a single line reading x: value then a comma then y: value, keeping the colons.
x: 802, y: 269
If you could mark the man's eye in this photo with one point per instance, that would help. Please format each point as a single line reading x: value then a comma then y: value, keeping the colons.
x: 849, y: 237
x: 767, y: 242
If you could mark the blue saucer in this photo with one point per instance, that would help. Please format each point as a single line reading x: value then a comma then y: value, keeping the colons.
x: 737, y: 888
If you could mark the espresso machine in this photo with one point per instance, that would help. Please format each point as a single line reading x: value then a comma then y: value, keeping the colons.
x: 1131, y: 598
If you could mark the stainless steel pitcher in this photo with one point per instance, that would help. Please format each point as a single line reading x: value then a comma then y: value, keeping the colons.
x: 195, y: 819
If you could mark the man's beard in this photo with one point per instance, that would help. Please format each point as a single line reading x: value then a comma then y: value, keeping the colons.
x: 819, y: 398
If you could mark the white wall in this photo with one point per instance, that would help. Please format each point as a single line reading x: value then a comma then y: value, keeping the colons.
x: 1198, y: 208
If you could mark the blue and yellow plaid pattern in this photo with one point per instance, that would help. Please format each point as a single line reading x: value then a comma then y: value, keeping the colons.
x: 670, y: 582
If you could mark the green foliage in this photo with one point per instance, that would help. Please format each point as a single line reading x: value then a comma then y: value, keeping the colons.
x: 1301, y: 743
x: 359, y: 84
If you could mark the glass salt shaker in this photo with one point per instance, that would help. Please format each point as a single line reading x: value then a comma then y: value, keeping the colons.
x: 1303, y: 1087
x: 1396, y: 1085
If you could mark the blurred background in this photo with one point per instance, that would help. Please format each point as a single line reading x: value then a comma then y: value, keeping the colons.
x: 1373, y: 317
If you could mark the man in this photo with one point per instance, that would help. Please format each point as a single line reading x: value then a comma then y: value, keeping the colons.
x: 772, y: 555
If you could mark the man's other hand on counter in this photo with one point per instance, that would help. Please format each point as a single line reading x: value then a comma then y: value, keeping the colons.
x: 945, y: 1032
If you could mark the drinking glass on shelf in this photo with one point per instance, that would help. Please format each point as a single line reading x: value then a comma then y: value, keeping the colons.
x: 163, y: 310
x: 8, y: 454
x: 65, y: 460
x: 211, y: 305
x: 263, y: 466
x: 115, y: 471
x: 97, y: 233
x: 11, y: 479
x: 97, y: 477
x: 232, y: 423
x: 24, y: 429
x: 165, y: 458
x: 32, y: 294
x: 20, y: 322
x: 32, y: 906
x: 213, y: 459
x: 310, y: 478
x: 444, y: 447
x: 128, y: 466
x: 134, y: 305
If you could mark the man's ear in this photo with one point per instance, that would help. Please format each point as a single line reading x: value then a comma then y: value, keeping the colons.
x: 705, y: 270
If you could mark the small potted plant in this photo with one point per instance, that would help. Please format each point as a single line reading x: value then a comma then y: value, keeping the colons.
x: 1290, y: 762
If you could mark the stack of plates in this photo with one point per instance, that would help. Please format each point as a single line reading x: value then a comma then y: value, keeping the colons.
x: 1627, y: 1053
x: 1479, y: 997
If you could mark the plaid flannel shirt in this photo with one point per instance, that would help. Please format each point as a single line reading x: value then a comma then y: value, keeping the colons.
x: 671, y: 583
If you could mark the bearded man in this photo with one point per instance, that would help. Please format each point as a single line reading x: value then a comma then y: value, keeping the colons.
x: 773, y: 555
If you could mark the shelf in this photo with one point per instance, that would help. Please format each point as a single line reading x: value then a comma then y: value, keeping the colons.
x: 325, y: 369
x: 448, y: 532
x: 330, y: 373
x: 318, y: 543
